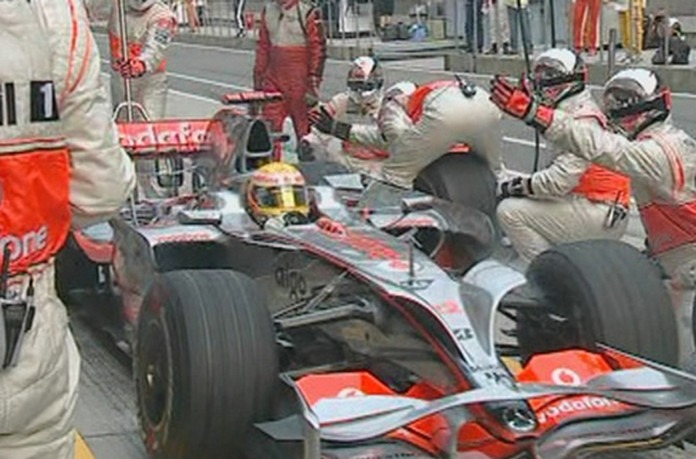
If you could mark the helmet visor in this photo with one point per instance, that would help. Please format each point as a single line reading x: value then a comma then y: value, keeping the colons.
x: 285, y: 197
x: 361, y: 86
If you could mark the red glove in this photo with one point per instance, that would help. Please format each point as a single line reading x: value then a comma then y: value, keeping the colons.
x: 520, y: 102
x: 132, y: 68
x: 330, y: 226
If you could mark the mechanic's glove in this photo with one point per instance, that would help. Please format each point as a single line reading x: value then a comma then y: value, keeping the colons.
x: 520, y: 102
x: 331, y: 226
x: 305, y: 152
x: 324, y: 122
x: 517, y: 187
x: 132, y: 68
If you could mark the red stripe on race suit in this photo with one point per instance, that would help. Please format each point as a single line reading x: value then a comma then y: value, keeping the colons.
x: 34, y: 206
x: 669, y: 226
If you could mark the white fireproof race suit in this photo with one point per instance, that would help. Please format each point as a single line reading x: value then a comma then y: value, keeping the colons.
x: 356, y: 155
x: 149, y: 33
x: 662, y: 165
x: 417, y: 130
x: 44, y: 179
x: 568, y: 201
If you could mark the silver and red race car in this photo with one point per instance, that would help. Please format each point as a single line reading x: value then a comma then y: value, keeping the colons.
x: 397, y: 335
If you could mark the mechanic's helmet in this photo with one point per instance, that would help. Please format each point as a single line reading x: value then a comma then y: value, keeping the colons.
x: 558, y: 74
x: 277, y: 190
x: 365, y: 81
x: 634, y: 99
x: 140, y: 5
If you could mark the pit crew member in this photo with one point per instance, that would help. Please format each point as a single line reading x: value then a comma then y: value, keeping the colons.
x: 43, y: 183
x: 150, y: 27
x: 572, y: 199
x: 417, y: 125
x: 290, y: 56
x: 659, y: 158
x: 359, y: 104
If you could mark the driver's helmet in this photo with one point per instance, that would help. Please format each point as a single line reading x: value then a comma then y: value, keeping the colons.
x: 277, y: 190
x: 365, y: 81
x: 140, y: 5
x: 634, y: 99
x: 558, y: 74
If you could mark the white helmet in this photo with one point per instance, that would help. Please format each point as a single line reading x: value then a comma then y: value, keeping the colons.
x: 365, y: 81
x: 635, y: 99
x: 140, y: 5
x: 559, y: 73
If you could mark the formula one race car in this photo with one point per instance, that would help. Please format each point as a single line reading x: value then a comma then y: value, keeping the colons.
x: 305, y: 342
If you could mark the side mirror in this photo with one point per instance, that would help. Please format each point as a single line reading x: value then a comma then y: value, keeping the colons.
x: 170, y: 172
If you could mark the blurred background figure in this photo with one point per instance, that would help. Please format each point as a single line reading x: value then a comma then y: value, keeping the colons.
x: 586, y: 25
x: 517, y: 30
x: 678, y: 49
x: 192, y: 15
x: 239, y: 17
x: 474, y: 20
x: 498, y: 27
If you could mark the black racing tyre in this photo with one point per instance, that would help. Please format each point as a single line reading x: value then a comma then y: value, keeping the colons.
x: 205, y: 363
x: 463, y: 178
x: 599, y: 291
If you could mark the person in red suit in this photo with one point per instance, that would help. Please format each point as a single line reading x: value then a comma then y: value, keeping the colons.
x: 586, y: 25
x: 290, y: 56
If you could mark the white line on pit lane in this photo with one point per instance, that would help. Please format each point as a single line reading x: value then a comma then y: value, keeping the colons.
x: 677, y: 95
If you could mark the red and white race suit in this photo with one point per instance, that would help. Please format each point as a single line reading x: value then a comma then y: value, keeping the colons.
x: 661, y: 163
x: 416, y: 130
x: 41, y: 184
x: 290, y: 56
x: 356, y: 155
x: 570, y: 199
x: 148, y: 33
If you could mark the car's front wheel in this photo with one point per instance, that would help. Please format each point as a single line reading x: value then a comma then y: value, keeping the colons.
x: 205, y: 363
x: 598, y: 291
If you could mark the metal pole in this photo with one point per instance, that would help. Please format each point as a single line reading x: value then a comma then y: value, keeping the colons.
x: 601, y: 34
x: 475, y: 8
x: 612, y: 53
x: 357, y: 26
x: 330, y: 4
x: 552, y: 13
x: 124, y: 52
x: 528, y: 64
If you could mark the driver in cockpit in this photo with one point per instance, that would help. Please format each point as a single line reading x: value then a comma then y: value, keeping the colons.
x: 276, y: 196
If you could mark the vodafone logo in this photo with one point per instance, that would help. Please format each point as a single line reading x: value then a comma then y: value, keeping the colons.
x: 565, y: 377
x: 350, y: 392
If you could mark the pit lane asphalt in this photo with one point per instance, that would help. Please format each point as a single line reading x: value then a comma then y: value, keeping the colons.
x: 211, y: 71
x: 106, y: 412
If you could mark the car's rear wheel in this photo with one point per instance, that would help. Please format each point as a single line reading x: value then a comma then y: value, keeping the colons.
x: 463, y: 178
x: 598, y: 291
x: 205, y: 363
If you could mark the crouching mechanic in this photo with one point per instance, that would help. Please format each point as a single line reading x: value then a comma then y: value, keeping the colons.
x: 150, y: 27
x: 418, y: 125
x: 572, y: 199
x: 659, y: 158
x: 360, y: 103
x: 276, y: 196
x: 48, y: 173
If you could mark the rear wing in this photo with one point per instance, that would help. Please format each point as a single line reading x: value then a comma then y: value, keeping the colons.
x: 146, y: 139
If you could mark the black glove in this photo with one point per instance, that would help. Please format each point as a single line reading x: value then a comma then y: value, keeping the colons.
x: 517, y: 188
x: 324, y: 122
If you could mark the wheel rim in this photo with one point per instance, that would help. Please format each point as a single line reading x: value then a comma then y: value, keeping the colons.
x: 153, y: 377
